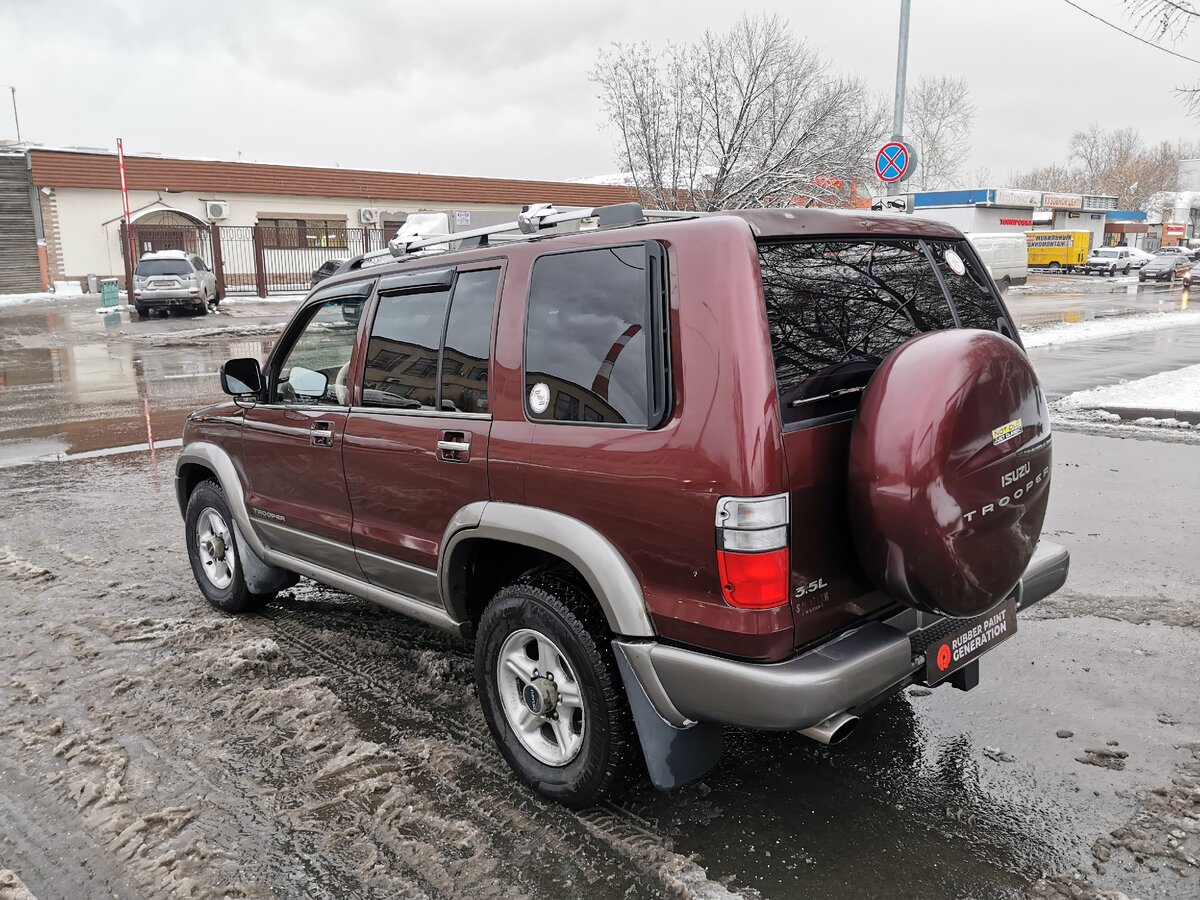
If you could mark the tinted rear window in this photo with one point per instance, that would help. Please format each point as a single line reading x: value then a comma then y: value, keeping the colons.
x: 163, y: 267
x: 837, y: 308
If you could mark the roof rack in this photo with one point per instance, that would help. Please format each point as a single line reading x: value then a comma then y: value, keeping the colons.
x: 534, y: 218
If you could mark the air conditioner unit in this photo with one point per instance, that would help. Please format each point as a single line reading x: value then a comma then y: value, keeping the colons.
x: 368, y: 216
x: 217, y: 209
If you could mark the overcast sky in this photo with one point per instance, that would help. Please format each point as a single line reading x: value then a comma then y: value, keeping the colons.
x: 501, y: 89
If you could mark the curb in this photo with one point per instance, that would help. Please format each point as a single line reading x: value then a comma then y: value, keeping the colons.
x: 1130, y: 413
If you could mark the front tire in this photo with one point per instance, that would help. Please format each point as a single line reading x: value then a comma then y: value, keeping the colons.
x: 212, y: 551
x: 551, y: 692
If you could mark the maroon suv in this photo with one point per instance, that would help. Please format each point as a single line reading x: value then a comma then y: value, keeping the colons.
x: 763, y: 468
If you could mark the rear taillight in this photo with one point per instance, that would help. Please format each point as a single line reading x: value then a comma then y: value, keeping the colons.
x: 752, y: 550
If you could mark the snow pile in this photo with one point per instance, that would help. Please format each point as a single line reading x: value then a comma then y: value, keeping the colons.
x: 43, y: 297
x: 68, y: 289
x: 1177, y: 390
x: 1099, y: 329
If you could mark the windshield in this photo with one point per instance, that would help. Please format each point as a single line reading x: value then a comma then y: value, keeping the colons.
x: 163, y: 267
x: 1105, y: 253
x: 836, y: 309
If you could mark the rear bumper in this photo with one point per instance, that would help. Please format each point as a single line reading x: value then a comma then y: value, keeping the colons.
x: 167, y: 298
x: 686, y: 686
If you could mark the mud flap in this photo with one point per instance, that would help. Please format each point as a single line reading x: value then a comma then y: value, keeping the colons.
x: 674, y: 756
x: 261, y: 578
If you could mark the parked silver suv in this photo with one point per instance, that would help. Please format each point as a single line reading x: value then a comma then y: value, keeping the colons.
x: 173, y: 279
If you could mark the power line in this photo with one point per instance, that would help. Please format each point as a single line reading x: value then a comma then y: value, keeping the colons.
x: 1130, y: 33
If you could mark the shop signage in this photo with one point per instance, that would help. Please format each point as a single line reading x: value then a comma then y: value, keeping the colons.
x: 1179, y: 230
x: 1022, y: 223
x: 1062, y: 201
x: 1097, y: 202
x: 1010, y: 197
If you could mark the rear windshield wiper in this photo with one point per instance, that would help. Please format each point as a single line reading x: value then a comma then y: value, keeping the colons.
x: 840, y: 392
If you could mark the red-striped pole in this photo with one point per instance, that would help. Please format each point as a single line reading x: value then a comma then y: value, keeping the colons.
x: 125, y: 203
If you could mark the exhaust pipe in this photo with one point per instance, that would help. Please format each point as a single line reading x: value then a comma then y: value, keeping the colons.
x: 833, y: 730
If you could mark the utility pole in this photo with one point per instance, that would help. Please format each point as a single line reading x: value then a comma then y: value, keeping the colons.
x: 901, y: 74
x: 14, y: 105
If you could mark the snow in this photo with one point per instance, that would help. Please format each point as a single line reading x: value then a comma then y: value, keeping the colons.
x: 1099, y: 329
x: 24, y: 299
x: 67, y: 288
x: 1178, y: 390
x: 620, y: 179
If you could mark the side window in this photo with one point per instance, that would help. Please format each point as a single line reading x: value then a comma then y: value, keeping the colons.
x: 402, y: 354
x: 469, y: 342
x: 586, y: 337
x: 315, y: 368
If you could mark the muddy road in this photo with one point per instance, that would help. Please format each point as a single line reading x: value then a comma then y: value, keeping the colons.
x: 151, y: 746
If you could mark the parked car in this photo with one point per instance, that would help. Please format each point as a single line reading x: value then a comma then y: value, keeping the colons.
x: 173, y: 279
x: 1187, y: 252
x: 1006, y: 256
x: 326, y: 269
x: 1139, y: 257
x: 762, y: 469
x: 1167, y: 267
x: 1108, y: 261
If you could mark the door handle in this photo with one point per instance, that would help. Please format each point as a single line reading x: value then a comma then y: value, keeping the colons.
x: 454, y: 446
x: 322, y: 434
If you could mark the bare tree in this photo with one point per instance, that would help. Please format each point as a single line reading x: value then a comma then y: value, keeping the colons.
x: 1113, y: 162
x: 1169, y: 20
x: 939, y: 113
x: 748, y: 117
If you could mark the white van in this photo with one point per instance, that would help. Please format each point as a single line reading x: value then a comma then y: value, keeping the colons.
x: 1006, y: 254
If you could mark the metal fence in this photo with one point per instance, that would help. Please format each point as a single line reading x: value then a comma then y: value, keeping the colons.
x: 255, y: 259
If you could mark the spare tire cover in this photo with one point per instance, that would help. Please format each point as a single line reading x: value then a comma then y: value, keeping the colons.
x: 950, y: 471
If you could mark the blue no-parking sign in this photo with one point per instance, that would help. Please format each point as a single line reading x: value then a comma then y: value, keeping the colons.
x: 894, y: 161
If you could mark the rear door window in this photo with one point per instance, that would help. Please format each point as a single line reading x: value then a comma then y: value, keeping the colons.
x: 835, y: 309
x: 967, y: 285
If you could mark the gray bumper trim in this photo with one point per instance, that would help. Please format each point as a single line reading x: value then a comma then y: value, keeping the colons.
x: 1047, y: 572
x: 687, y: 686
x: 785, y: 696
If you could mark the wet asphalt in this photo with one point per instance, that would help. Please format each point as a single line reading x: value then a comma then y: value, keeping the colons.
x: 150, y: 746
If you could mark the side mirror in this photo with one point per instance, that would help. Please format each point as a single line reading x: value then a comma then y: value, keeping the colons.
x: 307, y: 383
x: 241, y: 376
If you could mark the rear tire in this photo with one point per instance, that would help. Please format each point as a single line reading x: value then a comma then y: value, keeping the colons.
x: 213, y: 554
x: 1125, y: 271
x: 202, y: 309
x: 593, y: 755
x: 143, y: 312
x: 1055, y: 267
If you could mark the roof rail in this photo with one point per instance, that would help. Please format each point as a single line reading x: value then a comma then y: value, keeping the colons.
x: 534, y: 218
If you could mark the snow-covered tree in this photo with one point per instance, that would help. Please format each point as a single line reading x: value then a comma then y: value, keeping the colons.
x: 748, y: 117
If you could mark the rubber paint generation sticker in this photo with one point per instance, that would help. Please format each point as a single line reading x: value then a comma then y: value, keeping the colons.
x: 539, y: 397
x: 1006, y: 432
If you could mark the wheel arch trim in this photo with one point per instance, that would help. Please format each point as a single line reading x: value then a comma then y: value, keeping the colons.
x: 218, y: 461
x: 613, y: 583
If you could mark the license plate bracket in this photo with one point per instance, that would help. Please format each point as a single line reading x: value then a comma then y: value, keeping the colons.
x: 962, y: 647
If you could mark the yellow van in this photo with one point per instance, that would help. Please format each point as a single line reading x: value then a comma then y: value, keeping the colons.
x: 1058, y: 250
